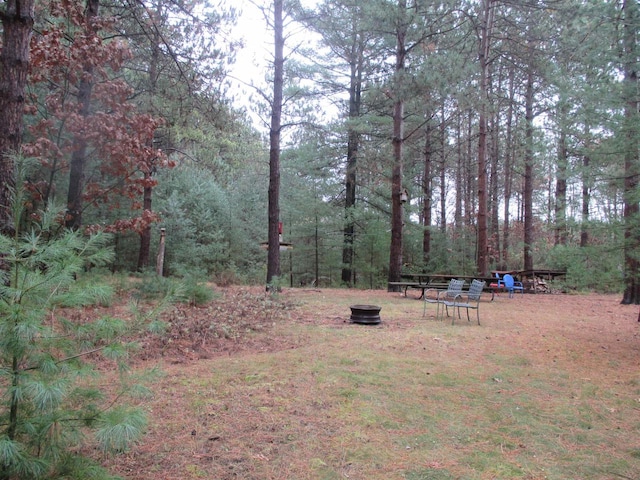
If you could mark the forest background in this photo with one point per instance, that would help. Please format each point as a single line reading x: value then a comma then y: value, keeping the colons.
x: 437, y: 136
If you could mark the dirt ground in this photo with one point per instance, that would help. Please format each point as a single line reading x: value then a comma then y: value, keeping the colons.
x: 243, y: 324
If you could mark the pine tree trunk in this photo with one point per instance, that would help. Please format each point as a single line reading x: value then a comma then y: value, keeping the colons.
x: 273, y: 253
x: 469, y: 175
x: 586, y: 200
x: 426, y: 195
x: 494, y: 224
x: 528, y: 173
x: 350, y: 201
x: 482, y: 263
x: 395, y: 250
x: 144, y: 253
x: 355, y: 87
x: 17, y: 22
x: 442, y: 137
x: 457, y: 215
x: 508, y: 176
x: 561, y: 234
x: 631, y: 157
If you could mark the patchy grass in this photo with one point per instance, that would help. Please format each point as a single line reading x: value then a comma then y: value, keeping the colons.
x: 548, y: 387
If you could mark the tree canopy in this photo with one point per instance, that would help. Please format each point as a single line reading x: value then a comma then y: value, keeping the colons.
x: 440, y: 136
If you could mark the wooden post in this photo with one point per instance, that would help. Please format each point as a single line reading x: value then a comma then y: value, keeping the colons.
x: 160, y: 259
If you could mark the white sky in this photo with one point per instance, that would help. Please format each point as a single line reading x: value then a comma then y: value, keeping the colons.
x: 254, y: 57
x: 253, y: 60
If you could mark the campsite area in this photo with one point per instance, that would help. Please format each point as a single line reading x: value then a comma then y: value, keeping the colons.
x: 254, y: 386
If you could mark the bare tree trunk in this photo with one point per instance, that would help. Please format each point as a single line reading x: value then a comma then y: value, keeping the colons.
x: 483, y: 57
x: 631, y: 156
x: 508, y: 175
x: 586, y: 199
x: 561, y: 233
x: 316, y: 242
x: 17, y: 18
x: 273, y: 254
x: 397, y: 220
x: 457, y: 216
x: 494, y: 224
x: 469, y: 205
x: 145, y: 235
x: 528, y: 173
x: 427, y: 194
x: 494, y: 181
x: 355, y: 88
x: 443, y: 173
x: 160, y: 256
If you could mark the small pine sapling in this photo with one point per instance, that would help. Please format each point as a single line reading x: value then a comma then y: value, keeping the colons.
x: 49, y: 404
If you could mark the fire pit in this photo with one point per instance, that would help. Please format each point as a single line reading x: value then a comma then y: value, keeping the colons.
x: 365, y: 314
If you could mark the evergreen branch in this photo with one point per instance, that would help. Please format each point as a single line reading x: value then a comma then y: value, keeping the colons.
x: 69, y: 358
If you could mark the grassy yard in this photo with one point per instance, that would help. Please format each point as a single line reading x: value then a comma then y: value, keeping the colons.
x: 548, y: 387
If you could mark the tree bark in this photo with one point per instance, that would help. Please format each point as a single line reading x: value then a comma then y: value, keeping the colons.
x: 442, y: 138
x: 586, y: 200
x: 144, y: 253
x: 483, y: 57
x: 493, y: 207
x: 508, y: 175
x: 494, y: 200
x: 17, y: 24
x: 160, y: 256
x: 355, y: 88
x: 631, y: 212
x: 469, y: 175
x: 395, y: 250
x: 427, y: 194
x: 273, y: 254
x: 460, y: 163
x: 528, y: 173
x: 561, y: 234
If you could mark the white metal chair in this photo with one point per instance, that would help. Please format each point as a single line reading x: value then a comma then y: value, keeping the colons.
x: 467, y: 300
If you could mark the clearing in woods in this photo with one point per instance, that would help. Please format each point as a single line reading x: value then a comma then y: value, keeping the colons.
x: 260, y: 387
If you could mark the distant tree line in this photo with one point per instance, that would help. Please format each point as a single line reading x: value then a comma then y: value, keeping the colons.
x: 511, y: 126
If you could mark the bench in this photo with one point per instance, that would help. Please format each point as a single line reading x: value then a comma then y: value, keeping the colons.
x: 408, y: 285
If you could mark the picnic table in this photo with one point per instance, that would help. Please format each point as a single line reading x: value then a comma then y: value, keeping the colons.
x: 413, y: 280
x: 425, y: 281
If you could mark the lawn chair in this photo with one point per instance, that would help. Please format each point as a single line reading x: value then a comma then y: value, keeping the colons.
x: 439, y: 296
x: 470, y: 299
x: 511, y: 285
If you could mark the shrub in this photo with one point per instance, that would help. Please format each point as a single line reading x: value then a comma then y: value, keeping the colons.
x: 47, y: 404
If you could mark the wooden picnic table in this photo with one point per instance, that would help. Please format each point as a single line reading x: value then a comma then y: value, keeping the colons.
x: 425, y: 281
x: 426, y: 278
x: 416, y: 277
x: 406, y: 285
